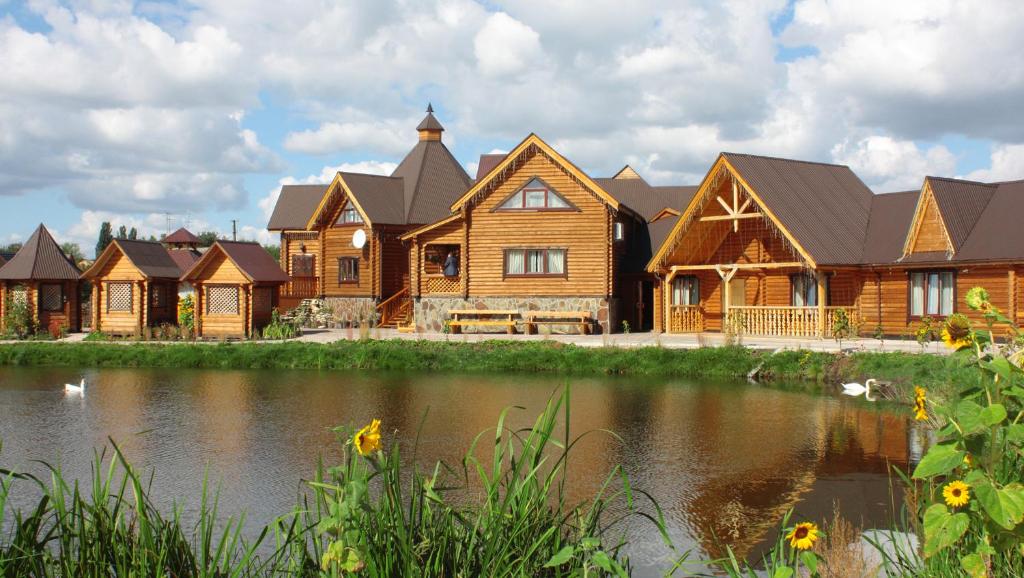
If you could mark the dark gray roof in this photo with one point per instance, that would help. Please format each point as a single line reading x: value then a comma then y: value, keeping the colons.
x: 39, y: 259
x: 645, y: 200
x: 295, y: 206
x: 825, y: 207
x: 488, y: 162
x: 997, y: 233
x: 961, y: 203
x: 150, y: 257
x: 891, y: 214
x: 254, y: 261
x: 433, y: 180
x: 429, y: 122
x: 380, y: 197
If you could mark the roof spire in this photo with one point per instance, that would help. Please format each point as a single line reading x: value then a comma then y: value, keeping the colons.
x: 430, y: 108
x: 430, y: 128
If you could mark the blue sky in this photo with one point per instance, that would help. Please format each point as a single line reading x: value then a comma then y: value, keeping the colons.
x: 146, y: 113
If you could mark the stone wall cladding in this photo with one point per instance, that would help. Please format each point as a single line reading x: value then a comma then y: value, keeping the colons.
x: 431, y: 312
x: 351, y: 310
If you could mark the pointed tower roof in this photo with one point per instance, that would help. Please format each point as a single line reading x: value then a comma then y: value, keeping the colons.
x: 430, y: 123
x: 39, y: 259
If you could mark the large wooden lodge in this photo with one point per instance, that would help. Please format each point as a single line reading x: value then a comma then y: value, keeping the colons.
x: 763, y: 246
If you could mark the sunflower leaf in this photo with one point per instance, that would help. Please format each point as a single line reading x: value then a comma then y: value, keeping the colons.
x: 782, y: 572
x: 993, y: 414
x: 974, y: 565
x: 1005, y: 506
x: 940, y: 459
x: 942, y: 529
x: 967, y: 413
x: 561, y: 557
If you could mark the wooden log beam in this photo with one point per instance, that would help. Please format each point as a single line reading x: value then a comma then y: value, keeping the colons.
x: 779, y: 265
x: 732, y: 217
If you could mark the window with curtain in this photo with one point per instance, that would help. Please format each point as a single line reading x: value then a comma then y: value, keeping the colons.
x: 348, y: 270
x: 535, y: 262
x: 805, y: 290
x: 536, y: 195
x: 685, y: 290
x: 932, y: 293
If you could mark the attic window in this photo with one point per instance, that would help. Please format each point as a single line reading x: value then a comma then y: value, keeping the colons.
x: 535, y: 196
x: 618, y: 231
x: 349, y: 215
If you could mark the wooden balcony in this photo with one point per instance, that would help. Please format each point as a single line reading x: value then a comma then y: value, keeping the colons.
x: 686, y: 319
x: 301, y: 288
x: 434, y: 284
x: 787, y: 321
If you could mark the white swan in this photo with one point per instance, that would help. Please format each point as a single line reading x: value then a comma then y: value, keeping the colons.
x: 854, y: 389
x: 71, y: 388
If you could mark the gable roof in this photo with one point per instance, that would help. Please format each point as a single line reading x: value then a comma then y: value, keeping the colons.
x: 891, y: 214
x: 487, y: 162
x: 996, y: 233
x: 149, y: 257
x: 295, y: 206
x: 961, y: 203
x: 379, y: 199
x: 182, y: 236
x: 40, y: 258
x: 251, y: 259
x: 184, y: 258
x: 645, y: 200
x: 627, y: 172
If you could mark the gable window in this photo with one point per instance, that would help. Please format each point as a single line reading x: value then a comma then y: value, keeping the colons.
x: 686, y: 290
x: 119, y: 297
x: 348, y: 270
x: 804, y: 290
x: 932, y: 293
x: 349, y: 215
x: 302, y: 266
x: 534, y: 262
x: 618, y: 231
x: 51, y: 297
x: 536, y: 195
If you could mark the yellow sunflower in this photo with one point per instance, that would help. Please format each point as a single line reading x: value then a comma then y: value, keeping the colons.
x: 956, y: 494
x: 367, y: 440
x: 920, y: 411
x: 956, y: 332
x: 803, y: 536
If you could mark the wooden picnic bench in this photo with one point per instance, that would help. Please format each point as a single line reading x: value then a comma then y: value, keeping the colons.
x: 535, y: 318
x: 482, y: 317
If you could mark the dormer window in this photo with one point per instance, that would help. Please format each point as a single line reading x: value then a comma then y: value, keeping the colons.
x: 536, y: 195
x: 349, y: 215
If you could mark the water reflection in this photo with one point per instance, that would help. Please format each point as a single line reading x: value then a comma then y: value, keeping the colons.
x: 724, y: 460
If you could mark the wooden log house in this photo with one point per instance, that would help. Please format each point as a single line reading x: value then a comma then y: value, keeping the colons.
x: 777, y: 247
x: 46, y: 280
x: 237, y: 285
x: 135, y: 285
x: 342, y: 241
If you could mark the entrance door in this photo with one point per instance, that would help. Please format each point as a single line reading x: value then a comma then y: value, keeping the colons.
x: 737, y: 295
x: 644, y: 305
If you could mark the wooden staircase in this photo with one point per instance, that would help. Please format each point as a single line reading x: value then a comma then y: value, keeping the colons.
x: 395, y: 312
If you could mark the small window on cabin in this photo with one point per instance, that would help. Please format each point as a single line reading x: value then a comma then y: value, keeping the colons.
x: 18, y: 294
x: 686, y: 290
x: 302, y: 266
x: 804, y: 290
x: 349, y: 215
x: 932, y: 293
x: 51, y: 297
x: 535, y: 262
x: 222, y: 300
x: 348, y: 270
x: 536, y: 195
x: 618, y: 231
x: 119, y: 297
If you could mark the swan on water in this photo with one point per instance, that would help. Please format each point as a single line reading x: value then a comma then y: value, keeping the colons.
x: 855, y: 389
x: 71, y: 388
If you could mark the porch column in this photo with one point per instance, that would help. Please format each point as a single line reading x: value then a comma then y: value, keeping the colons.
x: 726, y: 277
x: 822, y: 297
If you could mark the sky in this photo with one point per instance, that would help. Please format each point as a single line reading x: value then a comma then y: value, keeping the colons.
x: 160, y: 114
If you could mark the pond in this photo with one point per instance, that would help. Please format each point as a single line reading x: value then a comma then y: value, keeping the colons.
x: 725, y: 460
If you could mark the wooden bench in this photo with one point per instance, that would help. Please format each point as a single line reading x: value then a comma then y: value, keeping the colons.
x: 535, y: 318
x: 482, y: 317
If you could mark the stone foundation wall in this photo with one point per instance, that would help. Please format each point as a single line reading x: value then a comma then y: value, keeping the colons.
x: 431, y: 312
x: 351, y: 310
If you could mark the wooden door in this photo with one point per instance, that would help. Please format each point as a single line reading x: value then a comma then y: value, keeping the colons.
x: 737, y: 296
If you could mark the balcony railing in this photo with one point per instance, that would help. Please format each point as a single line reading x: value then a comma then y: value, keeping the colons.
x: 686, y: 319
x: 442, y: 285
x: 787, y: 321
x: 303, y: 287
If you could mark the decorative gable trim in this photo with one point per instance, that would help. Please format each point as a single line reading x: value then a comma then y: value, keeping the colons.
x: 925, y: 201
x: 337, y: 184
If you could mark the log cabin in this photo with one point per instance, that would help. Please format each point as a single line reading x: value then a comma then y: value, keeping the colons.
x: 135, y: 285
x: 779, y: 247
x: 341, y: 241
x: 237, y: 285
x: 46, y: 280
x: 536, y: 233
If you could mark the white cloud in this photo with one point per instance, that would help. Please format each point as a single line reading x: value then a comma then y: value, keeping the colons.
x: 387, y: 137
x: 887, y: 164
x: 505, y: 46
x: 266, y: 204
x: 1007, y: 165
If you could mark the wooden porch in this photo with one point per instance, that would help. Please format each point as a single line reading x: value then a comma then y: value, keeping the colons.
x: 764, y: 321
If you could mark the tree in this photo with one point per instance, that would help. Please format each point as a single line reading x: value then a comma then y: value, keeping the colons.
x: 73, y: 251
x: 11, y: 248
x: 106, y: 236
x: 207, y: 238
x: 122, y: 232
x: 274, y: 250
x: 133, y: 234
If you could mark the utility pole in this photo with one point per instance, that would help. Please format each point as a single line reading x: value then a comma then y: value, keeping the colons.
x: 234, y: 229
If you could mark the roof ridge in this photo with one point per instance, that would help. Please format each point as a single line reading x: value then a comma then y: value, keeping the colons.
x: 820, y: 163
x: 956, y: 180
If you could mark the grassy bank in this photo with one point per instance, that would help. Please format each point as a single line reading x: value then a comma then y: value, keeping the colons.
x: 502, y: 356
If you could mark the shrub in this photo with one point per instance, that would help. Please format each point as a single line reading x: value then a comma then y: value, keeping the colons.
x: 18, y: 320
x: 187, y: 313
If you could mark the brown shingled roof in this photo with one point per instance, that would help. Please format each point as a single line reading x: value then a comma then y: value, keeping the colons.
x: 251, y: 258
x: 182, y: 237
x: 381, y: 198
x: 645, y: 200
x: 39, y: 259
x: 433, y: 180
x: 997, y: 233
x: 429, y: 122
x: 295, y: 205
x: 149, y: 257
x: 961, y: 204
x: 184, y: 258
x: 891, y: 214
x: 487, y: 162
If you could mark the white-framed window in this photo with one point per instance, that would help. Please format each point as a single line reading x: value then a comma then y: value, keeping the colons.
x: 618, y: 231
x: 686, y: 290
x: 222, y: 300
x: 120, y: 297
x: 535, y: 262
x: 536, y: 195
x: 932, y: 293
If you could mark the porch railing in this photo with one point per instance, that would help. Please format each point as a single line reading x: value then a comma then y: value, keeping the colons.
x: 442, y: 284
x: 787, y: 321
x: 304, y: 287
x: 686, y: 319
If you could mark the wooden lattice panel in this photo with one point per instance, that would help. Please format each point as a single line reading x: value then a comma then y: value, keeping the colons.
x: 222, y: 300
x: 51, y: 297
x: 19, y: 295
x: 119, y: 297
x: 443, y: 285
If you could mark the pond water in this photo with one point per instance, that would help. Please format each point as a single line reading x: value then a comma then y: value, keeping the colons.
x: 724, y: 460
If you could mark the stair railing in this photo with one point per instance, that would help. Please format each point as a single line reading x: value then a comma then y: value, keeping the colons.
x: 393, y: 307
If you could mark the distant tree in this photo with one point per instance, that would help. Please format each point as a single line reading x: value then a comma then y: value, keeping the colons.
x: 152, y: 238
x: 133, y: 234
x: 207, y: 238
x: 274, y: 250
x: 122, y: 232
x: 73, y: 251
x: 10, y: 248
x: 106, y: 236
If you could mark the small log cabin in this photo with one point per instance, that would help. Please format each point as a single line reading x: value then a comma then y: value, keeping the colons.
x: 46, y: 280
x: 537, y: 233
x: 237, y: 285
x: 778, y: 247
x: 135, y: 285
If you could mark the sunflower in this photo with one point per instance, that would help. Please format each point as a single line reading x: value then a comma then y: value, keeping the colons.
x: 956, y: 332
x: 367, y: 440
x: 803, y: 536
x: 956, y: 494
x: 920, y: 412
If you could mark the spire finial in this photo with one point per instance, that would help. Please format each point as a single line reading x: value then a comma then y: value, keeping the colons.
x: 430, y: 108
